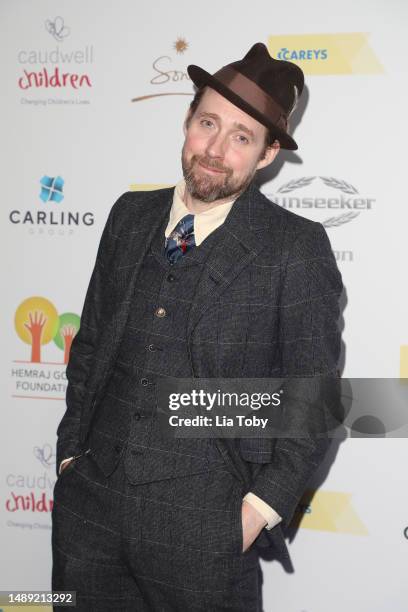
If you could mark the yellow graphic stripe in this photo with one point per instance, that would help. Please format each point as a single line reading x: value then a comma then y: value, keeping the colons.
x: 342, y: 53
x: 333, y: 511
x: 404, y: 361
x: 148, y: 186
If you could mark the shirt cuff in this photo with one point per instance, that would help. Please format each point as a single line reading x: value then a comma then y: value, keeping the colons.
x: 271, y: 517
x: 62, y: 463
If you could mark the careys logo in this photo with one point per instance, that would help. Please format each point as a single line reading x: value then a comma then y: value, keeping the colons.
x: 327, y: 53
x: 168, y: 75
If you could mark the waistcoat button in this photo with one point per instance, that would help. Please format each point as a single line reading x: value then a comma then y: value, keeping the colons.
x: 151, y: 347
x: 171, y: 278
x: 144, y: 381
x: 160, y: 312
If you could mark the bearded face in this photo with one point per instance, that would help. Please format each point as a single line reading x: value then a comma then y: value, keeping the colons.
x: 223, y: 148
x: 209, y: 180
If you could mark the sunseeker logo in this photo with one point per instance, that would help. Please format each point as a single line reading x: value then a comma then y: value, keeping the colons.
x: 340, y: 196
x: 45, y: 69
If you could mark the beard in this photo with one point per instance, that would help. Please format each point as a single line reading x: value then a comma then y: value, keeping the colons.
x: 211, y: 187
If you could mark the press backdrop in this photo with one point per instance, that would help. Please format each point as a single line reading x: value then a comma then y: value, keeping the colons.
x: 94, y: 94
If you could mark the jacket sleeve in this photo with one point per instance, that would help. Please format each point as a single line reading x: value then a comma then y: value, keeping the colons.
x: 310, y: 347
x: 95, y: 310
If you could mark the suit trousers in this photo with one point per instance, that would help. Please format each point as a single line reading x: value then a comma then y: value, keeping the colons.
x: 173, y: 545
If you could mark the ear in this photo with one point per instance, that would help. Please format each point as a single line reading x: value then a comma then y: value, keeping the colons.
x: 270, y: 154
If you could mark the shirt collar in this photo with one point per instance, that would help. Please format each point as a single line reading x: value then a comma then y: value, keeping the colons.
x: 204, y: 222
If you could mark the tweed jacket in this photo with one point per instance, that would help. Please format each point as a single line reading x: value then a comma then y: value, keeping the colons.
x: 266, y: 306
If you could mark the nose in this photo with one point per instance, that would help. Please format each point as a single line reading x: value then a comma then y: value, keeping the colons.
x: 216, y: 146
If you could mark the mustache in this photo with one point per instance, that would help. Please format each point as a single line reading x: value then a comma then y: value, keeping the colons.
x: 211, y: 163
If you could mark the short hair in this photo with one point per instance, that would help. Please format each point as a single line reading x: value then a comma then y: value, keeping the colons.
x: 270, y: 136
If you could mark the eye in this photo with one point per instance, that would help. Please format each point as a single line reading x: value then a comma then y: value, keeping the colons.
x: 206, y: 122
x: 242, y: 139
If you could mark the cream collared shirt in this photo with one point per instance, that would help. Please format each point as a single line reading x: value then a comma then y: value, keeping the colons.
x: 205, y: 223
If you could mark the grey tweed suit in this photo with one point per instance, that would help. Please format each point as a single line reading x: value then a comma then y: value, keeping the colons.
x: 266, y: 305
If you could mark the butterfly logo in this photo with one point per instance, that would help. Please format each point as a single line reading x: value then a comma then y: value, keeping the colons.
x: 57, y: 29
x: 45, y: 455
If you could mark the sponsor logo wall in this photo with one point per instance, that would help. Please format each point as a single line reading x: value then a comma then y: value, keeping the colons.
x: 95, y: 108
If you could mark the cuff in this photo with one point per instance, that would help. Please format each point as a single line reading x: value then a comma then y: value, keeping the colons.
x: 271, y: 517
x: 62, y: 463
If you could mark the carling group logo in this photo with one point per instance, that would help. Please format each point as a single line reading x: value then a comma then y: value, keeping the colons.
x: 51, y: 189
x: 50, y: 219
x: 60, y: 69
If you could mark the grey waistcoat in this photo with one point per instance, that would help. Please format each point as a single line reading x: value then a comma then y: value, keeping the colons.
x: 153, y: 346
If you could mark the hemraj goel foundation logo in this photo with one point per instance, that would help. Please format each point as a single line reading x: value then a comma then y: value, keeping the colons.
x: 40, y: 373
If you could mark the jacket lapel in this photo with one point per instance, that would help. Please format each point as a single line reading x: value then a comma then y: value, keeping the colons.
x: 238, y: 246
x: 148, y: 218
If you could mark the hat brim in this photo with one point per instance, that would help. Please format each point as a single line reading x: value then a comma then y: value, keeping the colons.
x: 201, y: 77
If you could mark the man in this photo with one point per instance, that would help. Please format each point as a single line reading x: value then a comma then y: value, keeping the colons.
x: 207, y: 279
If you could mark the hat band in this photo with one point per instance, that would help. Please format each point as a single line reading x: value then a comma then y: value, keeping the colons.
x: 251, y: 93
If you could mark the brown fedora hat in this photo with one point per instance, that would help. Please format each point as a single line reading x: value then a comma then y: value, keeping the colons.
x: 264, y: 87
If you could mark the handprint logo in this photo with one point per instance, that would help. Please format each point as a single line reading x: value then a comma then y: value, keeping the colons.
x: 57, y: 29
x: 67, y: 329
x: 36, y: 327
x: 37, y: 323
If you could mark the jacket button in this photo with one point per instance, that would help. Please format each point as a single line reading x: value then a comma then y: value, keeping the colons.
x: 160, y: 312
x: 151, y: 347
x: 136, y: 416
x: 144, y: 381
